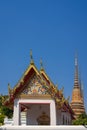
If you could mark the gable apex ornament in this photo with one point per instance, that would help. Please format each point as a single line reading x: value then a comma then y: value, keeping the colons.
x: 31, y: 58
x: 41, y: 64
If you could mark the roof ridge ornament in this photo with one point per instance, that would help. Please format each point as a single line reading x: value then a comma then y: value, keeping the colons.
x: 9, y: 88
x: 31, y: 58
x: 41, y: 64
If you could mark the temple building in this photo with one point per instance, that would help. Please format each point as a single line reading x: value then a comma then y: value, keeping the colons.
x: 41, y: 101
x: 77, y: 102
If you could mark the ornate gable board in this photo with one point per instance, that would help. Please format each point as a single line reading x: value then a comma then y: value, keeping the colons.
x: 46, y: 77
x: 35, y: 87
x: 24, y: 82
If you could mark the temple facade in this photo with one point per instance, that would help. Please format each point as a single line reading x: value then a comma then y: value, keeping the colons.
x: 77, y: 102
x: 41, y: 101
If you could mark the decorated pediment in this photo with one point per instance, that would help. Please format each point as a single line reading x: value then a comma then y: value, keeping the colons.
x: 34, y: 83
x: 35, y: 87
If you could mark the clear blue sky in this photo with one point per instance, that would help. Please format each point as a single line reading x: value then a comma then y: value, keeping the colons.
x: 53, y: 29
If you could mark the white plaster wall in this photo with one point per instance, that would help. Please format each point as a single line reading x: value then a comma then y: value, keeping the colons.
x: 36, y: 107
x: 58, y: 117
x: 67, y: 116
x: 35, y: 111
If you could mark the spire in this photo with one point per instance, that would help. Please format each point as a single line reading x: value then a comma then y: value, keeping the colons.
x: 41, y: 64
x: 76, y: 80
x: 31, y: 58
x: 80, y: 85
x: 77, y: 103
x: 82, y: 90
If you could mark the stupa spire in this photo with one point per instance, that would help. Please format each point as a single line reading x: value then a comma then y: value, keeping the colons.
x: 82, y: 90
x: 77, y: 102
x: 76, y: 79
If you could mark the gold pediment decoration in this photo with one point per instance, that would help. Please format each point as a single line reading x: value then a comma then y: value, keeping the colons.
x: 35, y: 87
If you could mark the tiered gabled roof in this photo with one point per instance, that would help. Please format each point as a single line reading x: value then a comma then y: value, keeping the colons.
x: 45, y: 81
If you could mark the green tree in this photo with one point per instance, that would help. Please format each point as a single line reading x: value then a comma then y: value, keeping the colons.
x: 2, y: 119
x: 81, y: 120
x: 7, y: 112
x: 4, y: 111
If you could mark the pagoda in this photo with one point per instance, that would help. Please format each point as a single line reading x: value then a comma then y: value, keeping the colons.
x: 41, y: 100
x: 77, y: 102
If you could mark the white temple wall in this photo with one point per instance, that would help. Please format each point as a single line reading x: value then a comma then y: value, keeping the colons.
x: 58, y: 117
x: 16, y: 114
x: 34, y: 111
x: 65, y: 118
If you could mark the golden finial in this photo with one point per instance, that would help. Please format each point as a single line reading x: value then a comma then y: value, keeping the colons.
x: 56, y: 86
x: 68, y: 98
x: 62, y: 90
x: 31, y: 57
x: 9, y: 88
x: 41, y: 64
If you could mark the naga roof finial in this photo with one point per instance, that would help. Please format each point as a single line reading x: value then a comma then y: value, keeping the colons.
x: 9, y: 88
x: 41, y: 64
x: 31, y: 57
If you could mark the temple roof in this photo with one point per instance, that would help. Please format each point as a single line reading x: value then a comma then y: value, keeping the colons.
x: 53, y: 91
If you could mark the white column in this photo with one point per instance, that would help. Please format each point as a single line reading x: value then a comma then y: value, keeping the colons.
x: 52, y: 113
x: 17, y: 111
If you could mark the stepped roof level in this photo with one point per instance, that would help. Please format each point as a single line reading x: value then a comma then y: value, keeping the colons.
x: 77, y: 102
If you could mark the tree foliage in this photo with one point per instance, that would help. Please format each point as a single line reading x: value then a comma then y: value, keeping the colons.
x: 81, y: 120
x: 4, y: 111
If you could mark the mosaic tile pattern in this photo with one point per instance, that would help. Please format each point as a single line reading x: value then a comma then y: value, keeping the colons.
x: 35, y: 87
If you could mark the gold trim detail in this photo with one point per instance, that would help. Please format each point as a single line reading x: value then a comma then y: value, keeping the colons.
x: 23, y: 96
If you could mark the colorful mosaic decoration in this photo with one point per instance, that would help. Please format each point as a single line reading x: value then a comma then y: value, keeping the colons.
x: 35, y: 87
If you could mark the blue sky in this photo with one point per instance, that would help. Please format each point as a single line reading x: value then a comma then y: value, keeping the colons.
x: 54, y: 30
